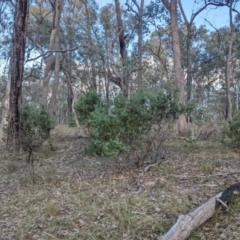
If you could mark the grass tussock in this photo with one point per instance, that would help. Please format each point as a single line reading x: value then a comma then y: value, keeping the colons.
x: 77, y: 196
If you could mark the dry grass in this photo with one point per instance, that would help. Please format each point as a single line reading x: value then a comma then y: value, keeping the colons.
x: 76, y: 196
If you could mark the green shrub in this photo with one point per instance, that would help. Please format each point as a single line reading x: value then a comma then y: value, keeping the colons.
x: 45, y: 122
x: 86, y: 105
x: 71, y: 121
x: 36, y: 121
x: 121, y: 124
x: 234, y: 129
x: 105, y: 131
x: 29, y: 119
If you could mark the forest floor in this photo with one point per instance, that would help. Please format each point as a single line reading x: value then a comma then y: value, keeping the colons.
x: 77, y: 196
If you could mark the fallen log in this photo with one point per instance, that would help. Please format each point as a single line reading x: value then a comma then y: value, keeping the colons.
x: 187, y: 223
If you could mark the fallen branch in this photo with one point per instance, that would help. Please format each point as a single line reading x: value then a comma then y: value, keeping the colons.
x: 191, y: 138
x: 50, y: 235
x: 203, y: 176
x: 150, y: 166
x: 187, y: 223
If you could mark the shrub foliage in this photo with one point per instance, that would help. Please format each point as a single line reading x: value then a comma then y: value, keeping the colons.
x: 122, y: 124
x: 86, y: 105
x: 36, y: 122
x: 234, y: 129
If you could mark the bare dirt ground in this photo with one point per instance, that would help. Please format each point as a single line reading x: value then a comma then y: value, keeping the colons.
x: 77, y: 196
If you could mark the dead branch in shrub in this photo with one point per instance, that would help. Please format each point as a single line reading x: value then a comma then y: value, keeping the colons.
x: 191, y: 138
x: 160, y: 135
x: 30, y: 144
x: 189, y: 222
x: 150, y: 166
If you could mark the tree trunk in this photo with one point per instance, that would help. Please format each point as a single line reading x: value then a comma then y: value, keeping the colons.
x: 16, y: 76
x: 48, y: 68
x: 140, y: 42
x: 93, y: 74
x: 124, y: 79
x: 53, y: 100
x: 139, y: 13
x: 5, y: 109
x: 179, y: 76
x: 189, y: 68
x: 228, y: 68
x: 71, y: 96
x: 189, y: 44
x: 237, y: 97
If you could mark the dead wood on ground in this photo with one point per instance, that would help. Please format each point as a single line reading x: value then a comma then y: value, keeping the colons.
x: 189, y: 222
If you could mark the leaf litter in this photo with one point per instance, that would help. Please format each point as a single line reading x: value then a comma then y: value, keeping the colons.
x: 76, y: 196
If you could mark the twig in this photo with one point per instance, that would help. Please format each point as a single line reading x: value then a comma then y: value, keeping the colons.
x: 150, y: 166
x: 223, y: 203
x: 50, y: 52
x: 139, y: 213
x: 50, y: 235
x: 191, y: 138
x: 138, y: 191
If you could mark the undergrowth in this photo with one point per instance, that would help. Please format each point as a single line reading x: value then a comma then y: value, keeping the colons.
x: 77, y: 196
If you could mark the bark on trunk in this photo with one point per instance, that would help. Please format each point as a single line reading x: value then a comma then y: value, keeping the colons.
x: 179, y: 76
x: 139, y: 13
x: 93, y: 75
x: 189, y: 70
x: 71, y: 100
x: 228, y: 68
x: 5, y: 110
x: 237, y: 97
x: 48, y: 68
x: 71, y: 96
x: 140, y: 42
x: 53, y: 100
x: 124, y: 79
x: 187, y: 223
x: 17, y: 68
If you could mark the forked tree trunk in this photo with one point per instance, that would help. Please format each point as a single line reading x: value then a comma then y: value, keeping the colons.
x: 139, y: 14
x: 189, y: 50
x: 48, y: 68
x: 16, y: 76
x: 124, y: 78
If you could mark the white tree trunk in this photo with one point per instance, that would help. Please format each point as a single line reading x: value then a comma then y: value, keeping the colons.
x: 5, y: 111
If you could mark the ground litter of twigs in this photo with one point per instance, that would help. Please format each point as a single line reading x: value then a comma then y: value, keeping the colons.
x: 78, y: 196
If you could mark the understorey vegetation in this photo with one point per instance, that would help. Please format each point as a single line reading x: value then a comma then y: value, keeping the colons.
x: 123, y: 124
x: 119, y: 119
x: 36, y: 124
